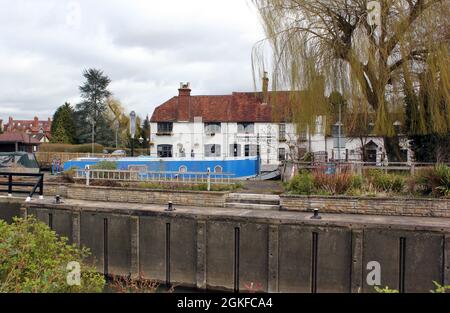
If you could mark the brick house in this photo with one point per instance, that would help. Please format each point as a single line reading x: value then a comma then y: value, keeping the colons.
x: 18, y: 141
x: 39, y: 129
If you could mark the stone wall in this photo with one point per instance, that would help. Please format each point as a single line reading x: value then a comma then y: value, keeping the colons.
x: 136, y: 195
x: 367, y: 205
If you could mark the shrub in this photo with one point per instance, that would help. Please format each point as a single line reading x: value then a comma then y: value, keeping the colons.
x: 338, y: 183
x: 127, y: 284
x: 59, y: 147
x: 105, y: 165
x: 68, y: 175
x: 34, y: 259
x: 386, y: 182
x: 302, y: 183
x: 433, y: 181
x: 357, y: 182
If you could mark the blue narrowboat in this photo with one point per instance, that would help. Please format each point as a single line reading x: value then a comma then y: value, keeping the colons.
x: 239, y: 167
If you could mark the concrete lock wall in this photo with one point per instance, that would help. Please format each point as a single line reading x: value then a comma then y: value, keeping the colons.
x: 10, y: 208
x: 255, y: 251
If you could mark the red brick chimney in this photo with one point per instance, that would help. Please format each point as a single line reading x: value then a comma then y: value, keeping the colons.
x: 184, y: 95
x: 35, y: 122
x: 10, y: 124
x: 265, y: 88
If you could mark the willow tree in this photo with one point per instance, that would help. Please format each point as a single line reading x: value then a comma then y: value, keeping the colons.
x: 373, y: 52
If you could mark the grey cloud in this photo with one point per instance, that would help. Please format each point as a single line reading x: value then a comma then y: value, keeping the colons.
x: 146, y: 47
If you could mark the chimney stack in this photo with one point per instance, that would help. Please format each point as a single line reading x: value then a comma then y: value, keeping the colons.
x: 10, y: 124
x: 184, y: 93
x: 265, y: 88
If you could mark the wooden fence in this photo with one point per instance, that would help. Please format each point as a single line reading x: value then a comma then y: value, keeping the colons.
x: 45, y: 159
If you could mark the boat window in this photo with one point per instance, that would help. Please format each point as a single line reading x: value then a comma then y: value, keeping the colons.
x: 218, y: 169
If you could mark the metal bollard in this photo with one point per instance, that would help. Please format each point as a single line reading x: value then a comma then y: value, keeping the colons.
x: 316, y: 215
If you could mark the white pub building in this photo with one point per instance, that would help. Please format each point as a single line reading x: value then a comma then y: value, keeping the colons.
x: 242, y: 125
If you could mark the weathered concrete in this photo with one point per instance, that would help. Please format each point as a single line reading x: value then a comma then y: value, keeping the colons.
x: 10, y: 208
x: 277, y: 251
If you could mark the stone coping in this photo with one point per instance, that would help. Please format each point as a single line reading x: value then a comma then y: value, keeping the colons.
x: 390, y: 198
x: 136, y: 188
x: 438, y: 224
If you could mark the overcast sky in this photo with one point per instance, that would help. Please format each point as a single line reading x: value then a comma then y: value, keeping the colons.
x: 146, y: 47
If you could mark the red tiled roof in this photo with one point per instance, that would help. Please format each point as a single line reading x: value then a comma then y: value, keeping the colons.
x: 237, y: 107
x: 18, y: 137
x: 31, y: 126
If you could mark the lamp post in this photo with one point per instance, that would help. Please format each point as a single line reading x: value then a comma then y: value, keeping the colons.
x: 116, y: 128
x: 132, y: 130
x: 141, y: 140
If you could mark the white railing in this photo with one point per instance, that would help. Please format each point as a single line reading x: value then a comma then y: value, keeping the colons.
x: 154, y: 176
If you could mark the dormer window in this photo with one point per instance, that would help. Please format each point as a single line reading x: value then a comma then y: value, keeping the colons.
x: 246, y: 128
x: 212, y: 128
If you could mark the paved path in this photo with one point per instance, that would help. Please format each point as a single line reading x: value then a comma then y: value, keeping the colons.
x: 262, y: 186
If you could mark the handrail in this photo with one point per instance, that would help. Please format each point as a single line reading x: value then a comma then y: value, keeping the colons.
x: 153, y: 176
x: 39, y: 184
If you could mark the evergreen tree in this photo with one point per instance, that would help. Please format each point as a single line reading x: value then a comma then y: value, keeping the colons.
x: 93, y: 110
x: 146, y: 132
x: 63, y: 125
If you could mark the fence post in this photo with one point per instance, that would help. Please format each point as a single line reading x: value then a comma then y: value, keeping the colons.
x: 208, y: 179
x: 41, y: 187
x: 87, y: 177
x: 412, y: 168
x: 10, y: 185
x: 359, y: 166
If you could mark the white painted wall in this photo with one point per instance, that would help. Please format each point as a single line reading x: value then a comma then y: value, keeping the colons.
x: 192, y: 136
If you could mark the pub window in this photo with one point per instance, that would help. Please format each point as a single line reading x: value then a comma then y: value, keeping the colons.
x: 212, y: 150
x: 251, y: 150
x: 165, y: 127
x: 164, y: 151
x: 282, y: 131
x: 235, y: 150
